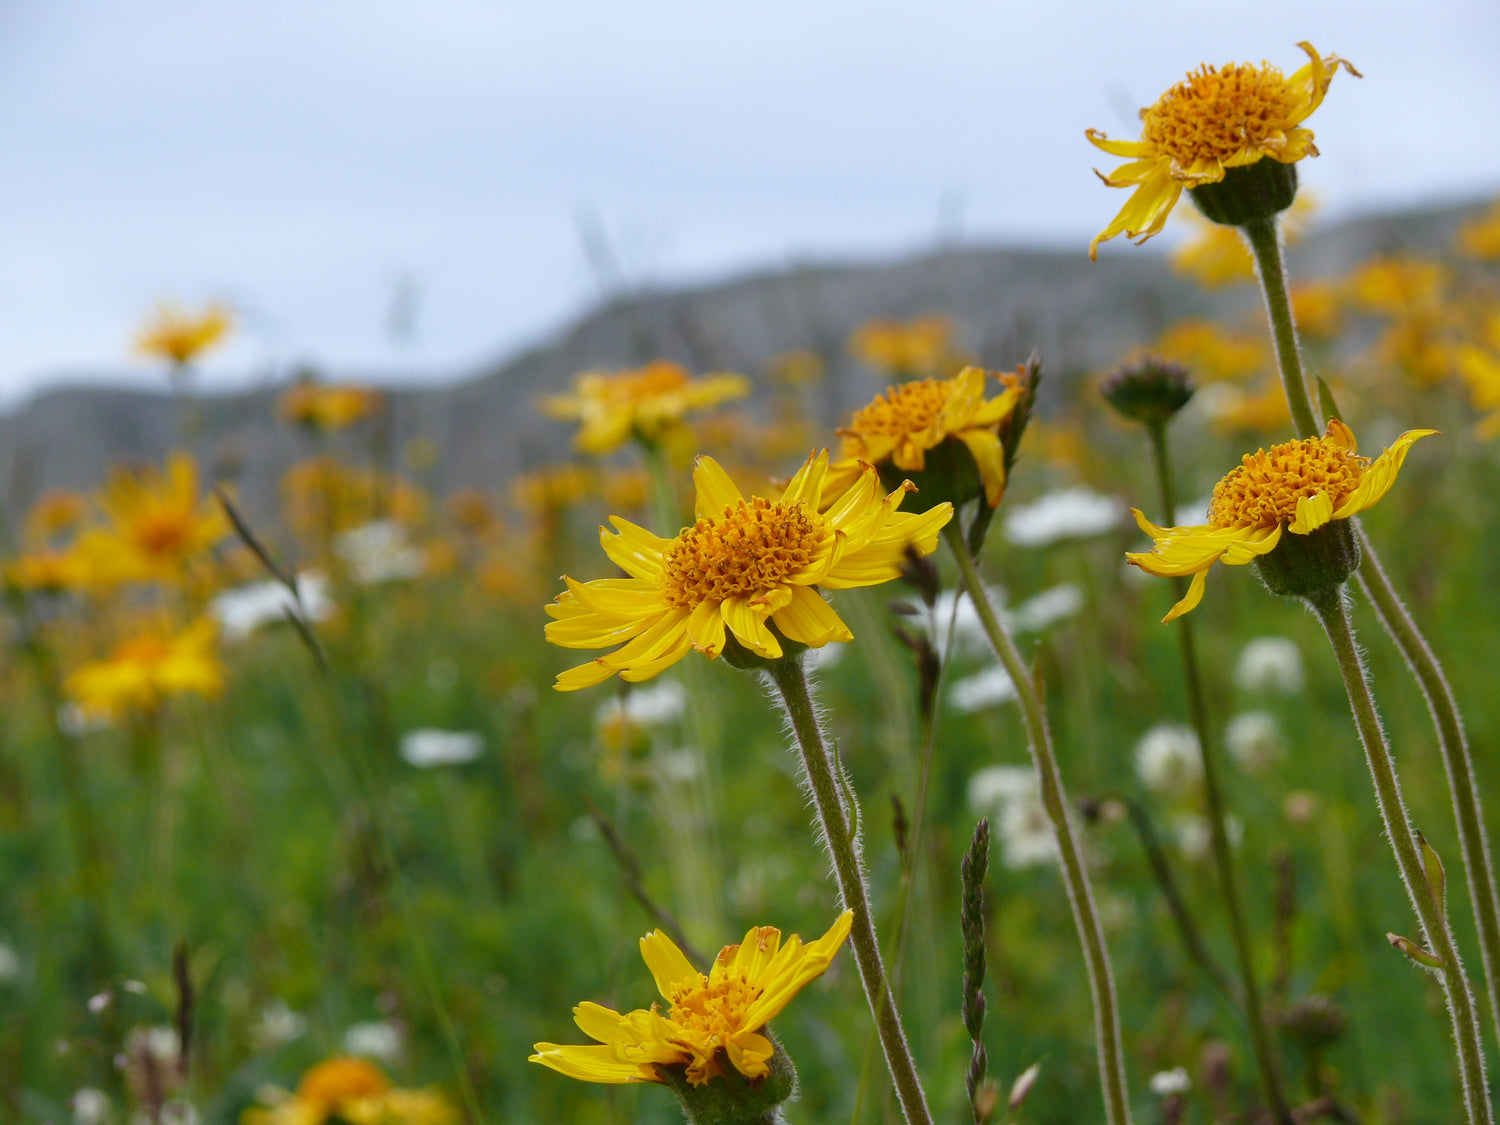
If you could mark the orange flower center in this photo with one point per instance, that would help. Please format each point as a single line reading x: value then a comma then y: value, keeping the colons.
x: 1217, y: 112
x: 1264, y: 489
x: 145, y: 651
x: 332, y: 1083
x: 651, y: 381
x: 755, y: 546
x: 162, y: 533
x: 903, y: 409
x: 713, y: 1008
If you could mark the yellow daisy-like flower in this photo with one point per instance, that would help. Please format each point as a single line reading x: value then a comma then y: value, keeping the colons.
x: 744, y: 566
x: 644, y: 403
x: 144, y: 671
x: 328, y: 408
x: 1297, y: 486
x: 355, y: 1091
x: 908, y: 348
x: 1216, y: 119
x: 710, y: 1017
x: 156, y: 524
x: 910, y: 420
x: 1216, y: 255
x: 179, y: 336
x: 1481, y: 237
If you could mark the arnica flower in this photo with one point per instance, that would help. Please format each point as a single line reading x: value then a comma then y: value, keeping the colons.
x: 645, y: 403
x: 352, y: 1091
x: 327, y: 408
x: 156, y: 524
x: 147, y: 669
x: 1297, y: 486
x: 1216, y: 120
x: 911, y: 421
x: 179, y: 336
x: 711, y: 1019
x: 1481, y: 237
x: 904, y: 349
x: 744, y: 567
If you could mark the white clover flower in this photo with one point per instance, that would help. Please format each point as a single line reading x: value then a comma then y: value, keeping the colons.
x: 244, y: 609
x: 1168, y: 759
x: 1026, y: 836
x: 1174, y: 1081
x: 989, y: 688
x: 10, y: 964
x: 90, y: 1106
x: 379, y: 552
x: 427, y: 747
x: 1069, y: 513
x: 277, y: 1024
x: 380, y: 1040
x: 993, y: 787
x: 1253, y: 739
x: 1037, y: 614
x: 1270, y: 664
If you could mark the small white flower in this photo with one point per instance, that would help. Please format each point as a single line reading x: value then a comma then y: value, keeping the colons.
x: 1037, y: 614
x: 277, y: 1024
x: 1069, y: 513
x: 679, y: 766
x: 989, y: 688
x: 1174, y: 1081
x: 659, y: 705
x: 1167, y: 758
x: 1026, y: 836
x: 427, y: 747
x: 377, y: 1039
x: 10, y: 964
x: 1195, y: 835
x: 379, y: 552
x: 244, y: 609
x: 995, y: 786
x: 1254, y: 740
x: 1270, y: 664
x: 90, y: 1106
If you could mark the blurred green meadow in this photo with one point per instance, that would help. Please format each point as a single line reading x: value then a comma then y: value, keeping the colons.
x: 205, y: 890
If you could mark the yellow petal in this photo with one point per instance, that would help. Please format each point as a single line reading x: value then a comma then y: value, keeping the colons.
x: 706, y: 629
x: 668, y: 964
x: 809, y: 620
x: 585, y: 675
x: 714, y: 488
x: 989, y: 458
x: 1116, y: 148
x: 591, y: 1064
x: 1312, y: 513
x: 1191, y: 599
x: 1251, y: 545
x: 749, y: 627
x: 1380, y: 475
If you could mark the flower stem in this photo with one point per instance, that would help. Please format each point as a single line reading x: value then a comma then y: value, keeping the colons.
x: 1457, y: 763
x: 849, y: 871
x: 1080, y: 895
x: 1260, y: 1037
x: 1332, y: 610
x: 1265, y: 244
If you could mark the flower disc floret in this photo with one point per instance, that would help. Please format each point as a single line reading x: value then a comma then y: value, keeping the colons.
x: 1297, y: 486
x: 1215, y: 120
x: 744, y: 566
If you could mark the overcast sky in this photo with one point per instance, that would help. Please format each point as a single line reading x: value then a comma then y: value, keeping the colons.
x: 309, y: 160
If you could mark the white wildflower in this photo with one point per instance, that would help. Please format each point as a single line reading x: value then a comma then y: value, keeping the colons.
x: 379, y: 552
x: 994, y: 786
x: 90, y: 1106
x: 277, y: 1024
x: 244, y: 609
x: 1174, y: 1081
x: 989, y: 688
x: 380, y: 1040
x: 1254, y: 740
x: 427, y: 747
x: 1069, y: 513
x: 1167, y: 758
x: 10, y: 964
x: 1037, y: 614
x: 1270, y: 664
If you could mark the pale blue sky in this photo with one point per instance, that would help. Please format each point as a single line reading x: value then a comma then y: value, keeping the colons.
x: 299, y: 158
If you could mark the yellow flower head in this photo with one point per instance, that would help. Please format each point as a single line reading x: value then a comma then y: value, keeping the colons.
x: 724, y: 1011
x: 1297, y: 486
x: 328, y: 408
x: 156, y: 525
x: 51, y: 571
x: 1481, y: 237
x: 179, y: 336
x: 904, y: 348
x: 744, y: 566
x: 147, y: 669
x: 645, y: 403
x: 354, y: 1091
x: 911, y: 420
x: 1216, y: 119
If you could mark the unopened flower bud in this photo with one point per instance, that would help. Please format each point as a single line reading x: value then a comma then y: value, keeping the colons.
x: 1150, y: 390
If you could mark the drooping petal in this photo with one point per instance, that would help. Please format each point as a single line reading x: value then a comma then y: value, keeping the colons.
x: 585, y: 675
x: 1379, y: 477
x: 989, y: 459
x: 1251, y: 545
x: 592, y: 1063
x: 1116, y: 148
x: 1191, y: 599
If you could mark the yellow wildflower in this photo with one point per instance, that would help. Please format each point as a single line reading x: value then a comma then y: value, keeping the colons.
x: 911, y: 420
x: 744, y: 566
x: 1215, y: 255
x: 53, y: 514
x: 179, y: 336
x: 1211, y: 353
x: 328, y: 408
x: 645, y: 403
x: 1394, y: 286
x: 51, y: 571
x: 1481, y: 237
x: 147, y: 669
x: 1297, y: 486
x: 904, y: 349
x: 1217, y: 119
x: 1315, y: 307
x: 1478, y: 363
x: 156, y: 524
x: 711, y: 1017
x: 354, y: 1091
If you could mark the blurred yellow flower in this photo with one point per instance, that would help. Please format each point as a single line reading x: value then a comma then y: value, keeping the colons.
x: 1232, y: 409
x: 1297, y: 486
x: 322, y: 407
x: 1315, y: 306
x: 1215, y: 255
x: 351, y: 1091
x: 147, y: 669
x: 1481, y: 237
x: 1478, y: 363
x: 54, y: 513
x: 324, y: 496
x: 910, y: 420
x: 711, y: 1019
x: 645, y: 403
x: 552, y: 488
x: 797, y: 368
x: 156, y: 526
x: 1218, y: 118
x: 745, y: 566
x: 51, y: 571
x: 904, y: 349
x: 179, y: 336
x: 1395, y: 285
x: 1212, y: 353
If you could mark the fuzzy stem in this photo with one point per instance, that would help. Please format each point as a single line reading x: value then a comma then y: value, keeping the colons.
x: 1080, y: 895
x: 1260, y: 1036
x: 1457, y: 763
x: 1265, y: 244
x: 1332, y: 610
x: 848, y: 867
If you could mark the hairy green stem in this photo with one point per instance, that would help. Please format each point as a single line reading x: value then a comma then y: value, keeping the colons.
x: 849, y: 870
x: 1080, y: 894
x: 1265, y: 244
x: 1260, y: 1036
x: 1332, y: 610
